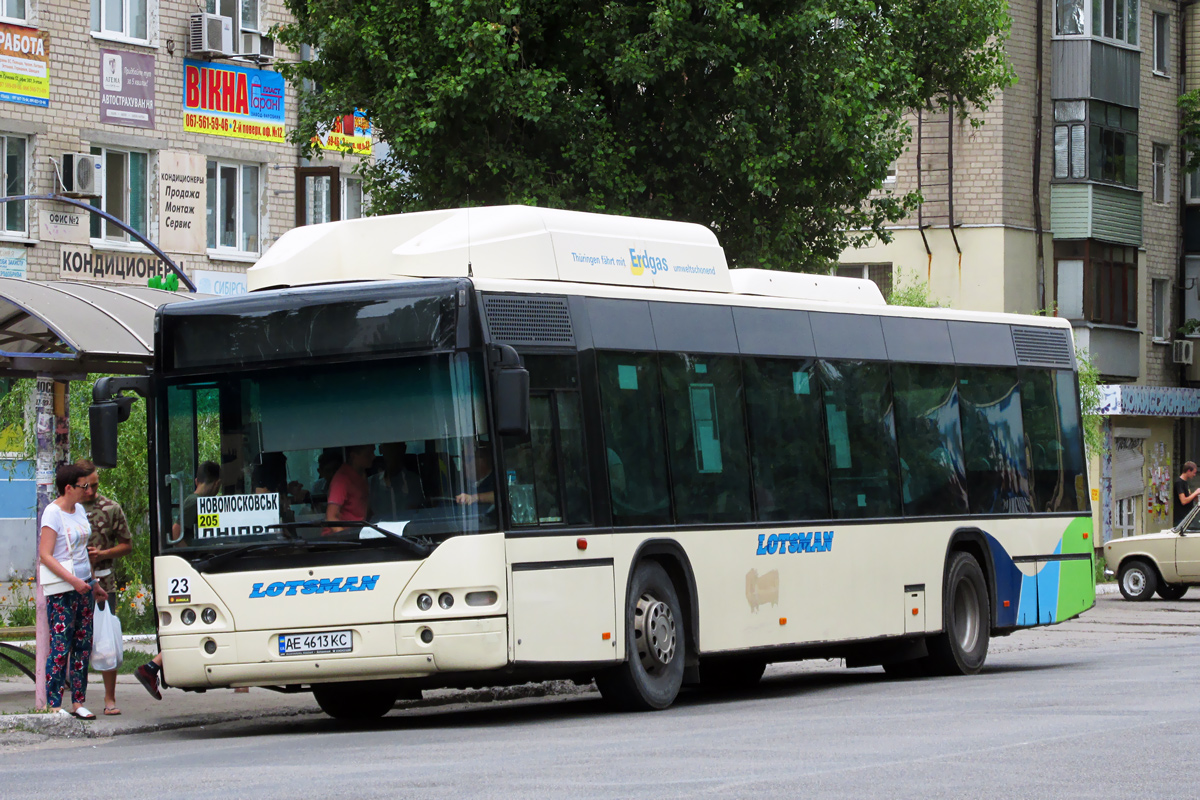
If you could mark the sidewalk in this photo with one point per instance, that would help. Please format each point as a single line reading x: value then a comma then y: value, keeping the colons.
x: 141, y: 713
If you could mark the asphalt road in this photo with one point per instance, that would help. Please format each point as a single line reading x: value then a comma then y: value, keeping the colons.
x: 1102, y: 706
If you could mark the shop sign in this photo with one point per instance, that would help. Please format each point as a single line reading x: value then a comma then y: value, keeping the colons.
x: 87, y: 264
x: 234, y: 101
x: 225, y: 284
x: 24, y: 65
x: 351, y: 132
x: 56, y: 225
x: 181, y: 202
x: 13, y: 262
x: 127, y: 89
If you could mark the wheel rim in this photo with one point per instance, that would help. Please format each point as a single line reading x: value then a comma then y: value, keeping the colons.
x: 1135, y: 581
x: 966, y: 615
x: 654, y: 633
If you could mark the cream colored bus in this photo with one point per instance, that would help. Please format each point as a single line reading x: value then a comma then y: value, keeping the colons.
x: 465, y: 448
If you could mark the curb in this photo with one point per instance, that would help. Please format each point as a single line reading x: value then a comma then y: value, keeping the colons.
x: 1107, y: 588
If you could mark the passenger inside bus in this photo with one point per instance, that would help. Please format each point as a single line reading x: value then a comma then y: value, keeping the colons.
x: 477, y: 467
x: 349, y: 495
x: 395, y: 490
x: 208, y: 484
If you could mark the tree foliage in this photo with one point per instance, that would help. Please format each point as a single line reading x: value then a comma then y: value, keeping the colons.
x: 772, y: 122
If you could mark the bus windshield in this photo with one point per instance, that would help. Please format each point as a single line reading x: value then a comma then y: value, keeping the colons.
x: 287, y: 454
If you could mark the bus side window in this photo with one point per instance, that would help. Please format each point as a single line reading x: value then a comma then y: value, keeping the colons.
x: 1048, y: 404
x: 933, y: 474
x: 706, y: 435
x: 994, y: 441
x: 546, y: 475
x: 633, y: 434
x: 859, y: 421
x: 787, y: 439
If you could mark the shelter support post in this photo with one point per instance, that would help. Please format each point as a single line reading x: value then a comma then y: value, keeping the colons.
x: 52, y: 429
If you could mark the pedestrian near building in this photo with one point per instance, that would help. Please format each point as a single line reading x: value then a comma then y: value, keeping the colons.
x: 66, y: 577
x: 110, y: 539
x: 1183, y: 495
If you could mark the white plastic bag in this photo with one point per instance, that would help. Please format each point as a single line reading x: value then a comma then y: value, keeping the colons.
x: 107, y: 645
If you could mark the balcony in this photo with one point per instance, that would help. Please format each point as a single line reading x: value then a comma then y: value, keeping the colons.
x: 1113, y: 350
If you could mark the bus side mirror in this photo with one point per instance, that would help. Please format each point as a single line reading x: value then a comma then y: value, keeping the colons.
x: 510, y: 390
x: 109, y: 409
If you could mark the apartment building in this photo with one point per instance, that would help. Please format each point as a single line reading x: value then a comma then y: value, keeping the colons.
x: 170, y: 117
x: 1071, y: 200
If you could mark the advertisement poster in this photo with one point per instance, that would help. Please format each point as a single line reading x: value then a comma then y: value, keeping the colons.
x: 181, y: 198
x: 12, y: 262
x: 351, y: 132
x: 24, y: 66
x: 228, y: 100
x: 127, y: 89
x: 84, y: 263
x: 225, y: 284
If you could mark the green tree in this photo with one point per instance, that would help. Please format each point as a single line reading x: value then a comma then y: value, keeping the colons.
x: 914, y: 292
x: 773, y: 123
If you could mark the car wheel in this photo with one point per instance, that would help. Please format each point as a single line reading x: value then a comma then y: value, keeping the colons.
x: 961, y: 647
x: 1172, y: 591
x: 357, y: 700
x: 652, y: 674
x: 1137, y: 581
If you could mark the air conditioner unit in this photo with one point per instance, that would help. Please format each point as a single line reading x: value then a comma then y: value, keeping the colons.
x: 210, y: 35
x: 82, y: 174
x: 258, y: 47
x: 1182, y: 351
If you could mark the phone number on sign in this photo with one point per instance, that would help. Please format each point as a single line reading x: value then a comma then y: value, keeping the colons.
x: 201, y: 122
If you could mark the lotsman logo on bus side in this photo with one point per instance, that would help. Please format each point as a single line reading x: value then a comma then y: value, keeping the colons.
x: 780, y: 543
x: 352, y: 584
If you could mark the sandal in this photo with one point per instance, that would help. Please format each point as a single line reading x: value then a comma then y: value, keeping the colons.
x: 62, y: 712
x: 112, y: 711
x: 83, y: 713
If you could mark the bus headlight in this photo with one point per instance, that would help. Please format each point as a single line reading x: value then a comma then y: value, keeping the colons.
x: 424, y: 602
x: 188, y: 616
x: 482, y: 598
x: 209, y: 615
x: 445, y: 600
x: 164, y: 618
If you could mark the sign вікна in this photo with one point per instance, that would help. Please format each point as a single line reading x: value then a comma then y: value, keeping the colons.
x: 127, y: 89
x: 227, y: 100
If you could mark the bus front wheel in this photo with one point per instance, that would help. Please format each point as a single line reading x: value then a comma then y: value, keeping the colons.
x: 961, y: 647
x: 356, y: 700
x: 652, y: 674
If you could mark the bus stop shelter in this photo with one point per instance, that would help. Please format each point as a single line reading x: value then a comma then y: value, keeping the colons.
x: 62, y: 331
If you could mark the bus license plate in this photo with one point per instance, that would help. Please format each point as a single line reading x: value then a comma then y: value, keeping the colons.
x: 307, y: 644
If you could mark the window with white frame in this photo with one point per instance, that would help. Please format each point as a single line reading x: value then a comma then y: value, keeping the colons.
x: 1123, y: 516
x: 891, y: 174
x: 1161, y: 173
x: 14, y: 10
x: 352, y: 198
x: 246, y: 20
x: 14, y: 170
x: 122, y: 18
x: 125, y: 194
x: 1161, y: 311
x: 1162, y: 43
x: 234, y: 207
x: 1107, y: 19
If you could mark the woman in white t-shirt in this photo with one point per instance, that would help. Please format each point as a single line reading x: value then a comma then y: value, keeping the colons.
x: 66, y: 576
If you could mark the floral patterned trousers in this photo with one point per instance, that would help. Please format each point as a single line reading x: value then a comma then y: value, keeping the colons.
x: 69, y: 615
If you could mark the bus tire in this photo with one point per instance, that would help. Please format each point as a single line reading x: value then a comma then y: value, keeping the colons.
x: 1137, y: 580
x: 730, y: 674
x: 961, y: 647
x: 1172, y: 591
x: 356, y: 701
x: 652, y: 674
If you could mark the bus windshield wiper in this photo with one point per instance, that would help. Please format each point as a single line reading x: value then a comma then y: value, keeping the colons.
x: 217, y: 559
x: 417, y: 547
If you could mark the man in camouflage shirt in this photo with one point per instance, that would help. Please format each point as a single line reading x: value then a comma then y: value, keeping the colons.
x: 110, y: 539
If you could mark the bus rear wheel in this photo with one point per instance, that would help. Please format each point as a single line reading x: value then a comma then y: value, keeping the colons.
x: 652, y: 674
x: 961, y: 647
x: 356, y: 700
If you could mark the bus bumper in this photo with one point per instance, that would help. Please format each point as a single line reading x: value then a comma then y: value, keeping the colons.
x: 393, y: 650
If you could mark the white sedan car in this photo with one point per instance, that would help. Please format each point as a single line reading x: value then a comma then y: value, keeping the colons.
x: 1167, y: 562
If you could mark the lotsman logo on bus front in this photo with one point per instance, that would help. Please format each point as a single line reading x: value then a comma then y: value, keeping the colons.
x: 809, y: 542
x: 288, y: 588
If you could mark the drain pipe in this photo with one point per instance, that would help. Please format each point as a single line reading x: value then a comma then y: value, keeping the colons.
x: 1039, y: 233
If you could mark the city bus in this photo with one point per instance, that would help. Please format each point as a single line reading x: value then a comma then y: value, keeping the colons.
x: 486, y: 446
